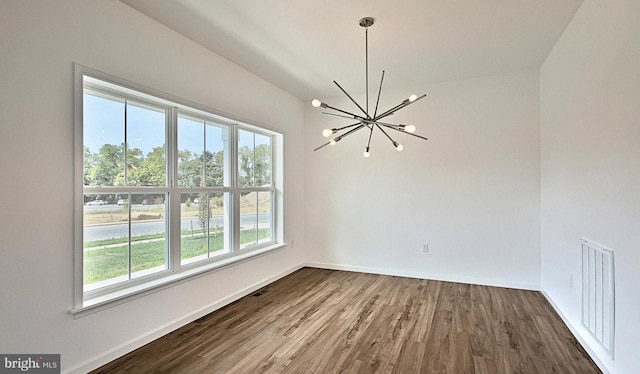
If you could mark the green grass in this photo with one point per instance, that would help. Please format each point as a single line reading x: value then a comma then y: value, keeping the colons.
x: 100, y: 243
x: 105, y: 263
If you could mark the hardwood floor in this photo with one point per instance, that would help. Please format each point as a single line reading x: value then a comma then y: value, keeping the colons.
x: 324, y: 321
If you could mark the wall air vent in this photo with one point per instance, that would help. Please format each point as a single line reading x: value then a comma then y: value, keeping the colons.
x: 598, y: 296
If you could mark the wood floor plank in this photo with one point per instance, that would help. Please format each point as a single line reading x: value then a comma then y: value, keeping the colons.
x: 324, y: 321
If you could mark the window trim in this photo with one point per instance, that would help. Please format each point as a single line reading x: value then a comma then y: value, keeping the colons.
x: 91, y: 301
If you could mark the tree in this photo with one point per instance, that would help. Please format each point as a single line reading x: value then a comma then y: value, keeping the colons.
x: 192, y: 168
x: 134, y: 159
x: 189, y: 169
x: 204, y: 212
x: 254, y: 165
x: 108, y: 166
x: 214, y: 168
x: 262, y: 164
x: 245, y: 165
x: 87, y: 165
x: 146, y: 171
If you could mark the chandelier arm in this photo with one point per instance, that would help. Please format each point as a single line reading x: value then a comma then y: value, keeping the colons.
x: 351, y: 98
x: 370, y: 136
x: 340, y: 115
x: 351, y: 131
x: 346, y: 127
x: 402, y: 131
x: 345, y: 112
x: 338, y: 138
x: 378, y: 122
x: 322, y: 146
x: 398, y: 107
x: 390, y: 111
x: 379, y: 92
x: 384, y: 132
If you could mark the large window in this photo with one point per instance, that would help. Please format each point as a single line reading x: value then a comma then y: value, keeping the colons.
x: 165, y: 190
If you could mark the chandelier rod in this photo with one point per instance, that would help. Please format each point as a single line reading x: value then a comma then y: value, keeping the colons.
x: 375, y: 112
x: 403, y: 131
x: 343, y: 111
x: 395, y: 144
x: 339, y: 115
x: 337, y: 139
x: 351, y: 98
x: 366, y: 58
x: 370, y: 136
x: 403, y: 104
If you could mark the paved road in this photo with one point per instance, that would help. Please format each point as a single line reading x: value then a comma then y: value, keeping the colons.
x: 100, y: 232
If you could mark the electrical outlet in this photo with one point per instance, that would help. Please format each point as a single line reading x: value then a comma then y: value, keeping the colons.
x: 425, y: 248
x: 571, y: 280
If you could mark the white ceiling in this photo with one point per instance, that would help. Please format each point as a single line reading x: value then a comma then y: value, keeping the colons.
x: 302, y: 46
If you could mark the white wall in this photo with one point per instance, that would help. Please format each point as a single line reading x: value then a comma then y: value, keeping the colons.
x: 39, y: 41
x: 590, y: 111
x: 472, y: 191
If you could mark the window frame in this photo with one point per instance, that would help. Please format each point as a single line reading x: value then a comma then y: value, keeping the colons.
x: 87, y: 302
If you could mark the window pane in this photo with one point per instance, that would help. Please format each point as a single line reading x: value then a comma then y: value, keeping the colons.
x: 218, y: 203
x: 148, y: 234
x: 106, y: 240
x: 262, y: 156
x: 254, y: 159
x: 146, y: 164
x: 190, y: 151
x: 103, y: 132
x: 123, y: 240
x: 256, y: 219
x: 265, y: 217
x: 248, y: 219
x: 245, y: 158
x: 202, y: 153
x: 205, y: 225
x: 216, y: 142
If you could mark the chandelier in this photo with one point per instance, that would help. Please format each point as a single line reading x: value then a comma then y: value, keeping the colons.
x: 365, y: 121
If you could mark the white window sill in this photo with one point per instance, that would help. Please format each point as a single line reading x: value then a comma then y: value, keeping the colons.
x: 112, y: 299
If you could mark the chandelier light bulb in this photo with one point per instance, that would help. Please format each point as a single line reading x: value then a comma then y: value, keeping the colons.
x: 399, y: 147
x: 413, y: 98
x: 410, y: 128
x: 332, y: 142
x: 327, y: 133
x: 366, y: 153
x: 316, y: 103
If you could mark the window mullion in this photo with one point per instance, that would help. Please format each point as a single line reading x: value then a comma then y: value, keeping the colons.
x: 129, y: 234
x: 235, y: 195
x: 253, y: 162
x: 124, y: 151
x: 257, y: 226
x: 174, y: 214
x: 125, y: 182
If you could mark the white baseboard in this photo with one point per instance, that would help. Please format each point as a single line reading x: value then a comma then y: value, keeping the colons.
x: 576, y: 333
x: 150, y: 336
x: 420, y: 275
